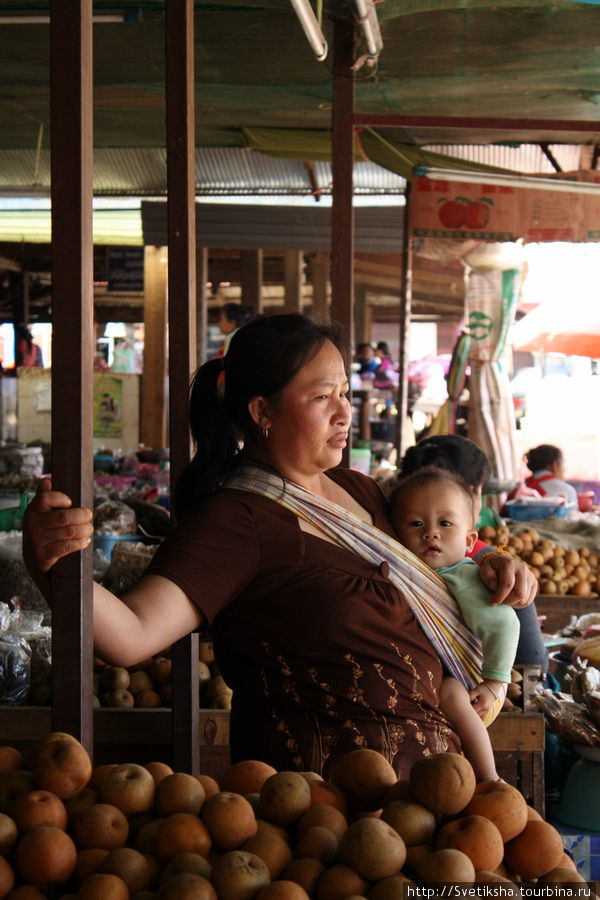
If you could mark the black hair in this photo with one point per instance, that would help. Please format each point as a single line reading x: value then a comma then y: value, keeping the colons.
x: 449, y: 451
x: 431, y: 475
x: 240, y: 313
x: 542, y: 457
x: 263, y: 357
x: 382, y: 345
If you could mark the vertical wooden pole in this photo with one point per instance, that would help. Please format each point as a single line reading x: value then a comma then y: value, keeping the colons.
x: 293, y: 262
x: 201, y: 304
x: 153, y: 424
x: 342, y: 212
x: 182, y: 332
x: 320, y: 280
x: 71, y: 95
x: 251, y: 276
x: 405, y: 312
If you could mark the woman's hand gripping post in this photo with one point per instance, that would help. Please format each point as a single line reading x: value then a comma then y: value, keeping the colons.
x: 509, y: 579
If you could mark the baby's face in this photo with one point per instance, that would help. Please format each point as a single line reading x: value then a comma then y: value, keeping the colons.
x: 435, y: 521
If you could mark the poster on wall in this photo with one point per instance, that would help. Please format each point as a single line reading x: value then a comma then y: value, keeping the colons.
x: 464, y: 210
x: 108, y: 406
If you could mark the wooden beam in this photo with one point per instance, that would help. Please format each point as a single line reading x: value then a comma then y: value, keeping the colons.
x: 153, y: 424
x: 182, y: 332
x: 72, y: 353
x: 405, y: 313
x: 201, y: 304
x: 320, y: 279
x: 383, y: 120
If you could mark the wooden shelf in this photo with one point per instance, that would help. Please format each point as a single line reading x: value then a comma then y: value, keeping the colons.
x: 559, y: 609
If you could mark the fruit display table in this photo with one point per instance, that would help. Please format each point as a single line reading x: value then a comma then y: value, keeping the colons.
x: 518, y: 740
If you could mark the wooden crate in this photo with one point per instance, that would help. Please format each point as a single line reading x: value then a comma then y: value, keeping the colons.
x: 559, y: 609
x: 125, y: 735
x: 518, y: 741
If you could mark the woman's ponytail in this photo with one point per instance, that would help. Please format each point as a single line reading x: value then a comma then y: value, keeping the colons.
x: 216, y: 446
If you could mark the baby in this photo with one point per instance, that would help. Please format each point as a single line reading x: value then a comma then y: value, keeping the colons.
x: 432, y: 514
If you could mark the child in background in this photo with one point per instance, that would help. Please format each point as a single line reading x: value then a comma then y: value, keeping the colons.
x: 433, y: 515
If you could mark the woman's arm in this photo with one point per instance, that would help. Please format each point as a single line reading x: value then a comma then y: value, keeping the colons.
x: 154, y: 614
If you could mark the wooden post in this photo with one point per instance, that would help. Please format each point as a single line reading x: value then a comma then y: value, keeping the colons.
x: 72, y: 354
x: 201, y: 304
x: 405, y: 312
x: 251, y: 276
x: 182, y: 333
x: 293, y: 263
x: 342, y: 211
x: 320, y: 280
x: 153, y: 425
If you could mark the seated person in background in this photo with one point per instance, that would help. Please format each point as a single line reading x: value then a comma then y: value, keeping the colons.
x: 432, y: 512
x: 385, y: 374
x: 366, y: 359
x: 464, y: 457
x: 547, y: 466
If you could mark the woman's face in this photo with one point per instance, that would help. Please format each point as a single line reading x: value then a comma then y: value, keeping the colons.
x: 226, y: 325
x: 308, y: 426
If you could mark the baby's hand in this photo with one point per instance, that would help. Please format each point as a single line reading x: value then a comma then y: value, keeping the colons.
x: 485, y: 695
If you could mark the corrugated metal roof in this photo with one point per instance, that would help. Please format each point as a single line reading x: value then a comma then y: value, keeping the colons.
x: 232, y: 171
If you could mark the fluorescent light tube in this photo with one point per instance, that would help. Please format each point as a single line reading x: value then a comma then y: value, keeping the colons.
x: 370, y: 26
x: 515, y: 181
x: 311, y: 28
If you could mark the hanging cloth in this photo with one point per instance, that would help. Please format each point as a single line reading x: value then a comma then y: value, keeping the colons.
x: 434, y: 607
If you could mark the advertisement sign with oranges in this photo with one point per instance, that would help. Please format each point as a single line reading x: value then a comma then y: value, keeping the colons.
x: 492, y: 212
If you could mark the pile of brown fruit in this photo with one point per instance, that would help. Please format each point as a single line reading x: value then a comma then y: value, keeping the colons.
x: 133, y: 832
x: 557, y: 570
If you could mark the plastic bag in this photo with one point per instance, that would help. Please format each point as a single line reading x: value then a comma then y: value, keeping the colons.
x: 114, y: 517
x: 20, y: 631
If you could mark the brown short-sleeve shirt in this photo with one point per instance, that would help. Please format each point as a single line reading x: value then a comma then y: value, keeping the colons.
x: 323, y: 654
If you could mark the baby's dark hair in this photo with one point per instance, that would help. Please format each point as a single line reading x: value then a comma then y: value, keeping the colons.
x: 430, y: 475
x: 240, y: 313
x: 452, y: 452
x: 542, y: 457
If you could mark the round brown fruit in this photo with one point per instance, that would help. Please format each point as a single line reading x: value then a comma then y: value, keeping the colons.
x: 85, y: 798
x: 372, y: 848
x: 211, y: 785
x: 101, y: 825
x: 186, y: 862
x: 443, y: 783
x: 11, y: 759
x: 363, y: 775
x: 8, y: 834
x: 63, y: 767
x: 325, y: 792
x: 561, y: 875
x: 446, y: 866
x: 88, y: 863
x: 39, y: 808
x: 26, y: 892
x: 272, y: 849
x: 305, y: 872
x: 230, y: 820
x: 182, y: 833
x: 502, y: 804
x: 475, y: 836
x: 103, y: 886
x: 282, y: 890
x: 390, y: 888
x: 238, y: 875
x: 7, y: 877
x: 12, y: 785
x: 186, y: 886
x: 130, y: 866
x: 158, y: 770
x: 317, y: 842
x: 326, y: 816
x: 284, y: 797
x: 130, y: 787
x: 178, y: 792
x: 536, y: 850
x: 340, y: 881
x: 246, y: 776
x: 414, y: 823
x: 45, y: 856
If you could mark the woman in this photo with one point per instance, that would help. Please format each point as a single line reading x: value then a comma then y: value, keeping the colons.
x: 323, y: 654
x: 547, y: 466
x: 463, y: 457
x: 233, y: 316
